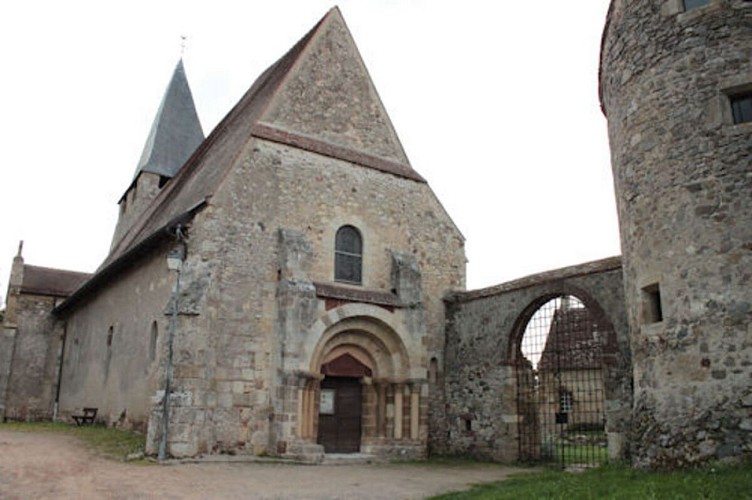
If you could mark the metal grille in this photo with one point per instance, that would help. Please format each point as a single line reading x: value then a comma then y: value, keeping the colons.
x: 560, y: 389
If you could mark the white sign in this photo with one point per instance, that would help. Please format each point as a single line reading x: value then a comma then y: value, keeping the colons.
x: 326, y: 405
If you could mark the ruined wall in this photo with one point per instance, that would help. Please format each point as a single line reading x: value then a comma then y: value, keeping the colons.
x: 484, y: 328
x: 684, y: 194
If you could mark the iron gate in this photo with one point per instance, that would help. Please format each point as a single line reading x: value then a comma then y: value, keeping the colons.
x: 560, y: 386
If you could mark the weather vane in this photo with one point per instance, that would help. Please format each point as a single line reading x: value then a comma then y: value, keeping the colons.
x: 183, y: 38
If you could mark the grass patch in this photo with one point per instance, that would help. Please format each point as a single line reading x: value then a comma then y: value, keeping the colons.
x: 114, y: 444
x: 620, y: 482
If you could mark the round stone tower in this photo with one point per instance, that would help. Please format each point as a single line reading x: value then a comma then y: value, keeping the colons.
x: 676, y: 87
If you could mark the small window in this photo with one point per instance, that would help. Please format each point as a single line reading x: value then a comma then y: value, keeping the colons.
x: 153, y: 341
x: 741, y: 107
x: 694, y: 4
x: 651, y: 304
x: 348, y: 255
x: 565, y: 402
x: 108, y: 356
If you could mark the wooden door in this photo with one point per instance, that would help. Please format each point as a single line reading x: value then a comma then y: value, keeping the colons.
x: 340, y: 415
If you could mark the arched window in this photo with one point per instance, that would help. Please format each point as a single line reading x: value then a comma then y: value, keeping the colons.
x: 348, y: 255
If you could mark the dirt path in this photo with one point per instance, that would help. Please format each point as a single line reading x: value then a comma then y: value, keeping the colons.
x: 46, y: 465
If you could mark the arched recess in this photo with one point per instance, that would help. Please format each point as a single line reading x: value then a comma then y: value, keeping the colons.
x: 378, y: 338
x: 561, y: 349
x: 366, y: 339
x: 610, y: 347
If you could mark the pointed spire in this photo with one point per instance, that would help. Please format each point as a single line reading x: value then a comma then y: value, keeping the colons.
x: 176, y: 131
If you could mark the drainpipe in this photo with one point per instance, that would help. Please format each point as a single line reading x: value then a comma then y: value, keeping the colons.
x: 174, y: 263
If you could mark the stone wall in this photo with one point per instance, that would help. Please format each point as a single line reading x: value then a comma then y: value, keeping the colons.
x: 265, y: 239
x: 34, y: 342
x: 684, y: 194
x: 109, y: 362
x: 484, y: 329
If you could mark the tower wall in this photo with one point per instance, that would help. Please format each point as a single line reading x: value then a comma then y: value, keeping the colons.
x: 684, y: 194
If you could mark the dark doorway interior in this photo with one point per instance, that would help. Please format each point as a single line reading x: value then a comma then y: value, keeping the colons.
x: 340, y: 415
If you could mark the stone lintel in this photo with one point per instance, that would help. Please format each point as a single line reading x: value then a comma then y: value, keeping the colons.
x: 361, y: 295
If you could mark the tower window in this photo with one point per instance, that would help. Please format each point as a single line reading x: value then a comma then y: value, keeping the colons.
x: 652, y: 310
x: 348, y: 255
x: 741, y: 107
x: 694, y: 4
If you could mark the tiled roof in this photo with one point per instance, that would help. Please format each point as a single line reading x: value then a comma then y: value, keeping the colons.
x: 48, y: 281
x: 203, y: 172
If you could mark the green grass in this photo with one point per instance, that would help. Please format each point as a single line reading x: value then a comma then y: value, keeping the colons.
x: 620, y: 482
x: 111, y: 443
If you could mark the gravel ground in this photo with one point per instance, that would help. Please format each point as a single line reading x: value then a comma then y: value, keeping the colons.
x: 47, y: 465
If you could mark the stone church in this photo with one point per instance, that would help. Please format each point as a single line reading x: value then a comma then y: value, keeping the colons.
x: 315, y: 300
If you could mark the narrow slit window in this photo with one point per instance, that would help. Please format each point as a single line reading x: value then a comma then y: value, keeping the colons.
x: 348, y: 255
x: 153, y: 341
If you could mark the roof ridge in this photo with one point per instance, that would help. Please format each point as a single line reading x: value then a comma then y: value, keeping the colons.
x: 56, y: 269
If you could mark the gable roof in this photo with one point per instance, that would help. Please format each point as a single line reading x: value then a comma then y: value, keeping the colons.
x: 263, y: 113
x: 257, y: 115
x: 48, y: 281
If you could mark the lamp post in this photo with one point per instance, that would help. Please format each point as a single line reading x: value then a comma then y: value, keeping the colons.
x: 174, y: 263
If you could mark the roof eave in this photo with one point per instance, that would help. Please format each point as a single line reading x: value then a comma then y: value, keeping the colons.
x: 116, y: 266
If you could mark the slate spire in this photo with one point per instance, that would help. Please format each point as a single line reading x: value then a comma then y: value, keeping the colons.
x: 176, y: 131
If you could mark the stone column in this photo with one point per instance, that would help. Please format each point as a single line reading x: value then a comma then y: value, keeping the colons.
x: 381, y: 410
x: 398, y: 410
x: 415, y: 410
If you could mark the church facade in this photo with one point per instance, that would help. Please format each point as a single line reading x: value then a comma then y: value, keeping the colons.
x: 316, y: 297
x: 315, y: 258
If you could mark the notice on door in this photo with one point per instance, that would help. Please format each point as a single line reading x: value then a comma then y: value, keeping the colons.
x: 326, y: 406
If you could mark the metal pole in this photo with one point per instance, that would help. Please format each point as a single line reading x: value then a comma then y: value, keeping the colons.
x: 168, y: 375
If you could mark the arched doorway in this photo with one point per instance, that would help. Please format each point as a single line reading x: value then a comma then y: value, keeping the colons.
x: 341, y: 404
x: 361, y: 394
x: 560, y: 373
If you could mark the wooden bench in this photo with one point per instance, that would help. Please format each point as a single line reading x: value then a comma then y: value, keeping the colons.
x: 89, y: 414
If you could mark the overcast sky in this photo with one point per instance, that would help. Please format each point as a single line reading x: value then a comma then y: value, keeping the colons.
x: 496, y: 104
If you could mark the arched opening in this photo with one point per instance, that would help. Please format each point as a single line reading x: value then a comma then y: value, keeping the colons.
x: 560, y: 382
x: 153, y: 335
x: 341, y: 404
x: 360, y: 396
x: 348, y: 255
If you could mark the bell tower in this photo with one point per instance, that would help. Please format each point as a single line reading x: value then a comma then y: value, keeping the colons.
x: 174, y: 136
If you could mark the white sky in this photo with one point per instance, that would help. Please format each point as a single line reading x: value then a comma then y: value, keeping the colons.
x: 496, y: 104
